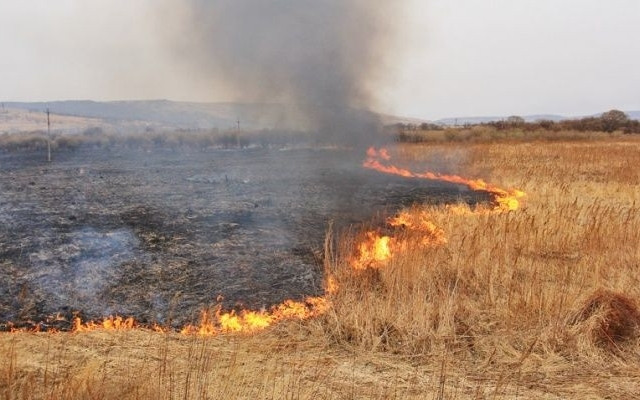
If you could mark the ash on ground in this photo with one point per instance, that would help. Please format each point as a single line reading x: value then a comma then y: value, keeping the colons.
x: 160, y: 234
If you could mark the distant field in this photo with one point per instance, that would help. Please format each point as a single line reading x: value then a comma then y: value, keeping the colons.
x: 539, y: 302
x: 17, y: 120
x: 21, y: 121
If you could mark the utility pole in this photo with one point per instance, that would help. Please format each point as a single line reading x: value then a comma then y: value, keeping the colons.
x: 48, y: 137
x: 238, y: 133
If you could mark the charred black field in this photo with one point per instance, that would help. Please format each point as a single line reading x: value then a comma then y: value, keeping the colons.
x: 161, y: 233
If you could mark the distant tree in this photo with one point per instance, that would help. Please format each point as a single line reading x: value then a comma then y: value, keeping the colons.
x: 515, y: 120
x: 546, y: 124
x: 633, y: 126
x: 613, y: 120
x: 427, y: 126
x: 93, y: 131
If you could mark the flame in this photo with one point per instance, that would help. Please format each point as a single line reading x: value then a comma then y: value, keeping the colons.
x: 111, y: 323
x: 460, y: 209
x: 247, y: 321
x: 502, y: 199
x: 331, y: 285
x: 420, y: 222
x: 376, y: 250
x: 218, y: 322
x: 373, y: 252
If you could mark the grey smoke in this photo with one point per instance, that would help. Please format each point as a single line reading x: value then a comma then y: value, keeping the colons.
x: 318, y: 57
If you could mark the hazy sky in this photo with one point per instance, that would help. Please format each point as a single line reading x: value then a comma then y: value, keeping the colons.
x: 449, y: 58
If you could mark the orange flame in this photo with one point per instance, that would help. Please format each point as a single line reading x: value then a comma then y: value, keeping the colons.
x: 331, y: 286
x: 108, y: 324
x: 373, y: 252
x: 247, y: 321
x: 376, y: 250
x: 503, y: 200
x: 420, y: 222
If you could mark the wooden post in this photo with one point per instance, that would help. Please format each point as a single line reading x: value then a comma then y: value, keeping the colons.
x: 48, y: 137
x: 238, y: 133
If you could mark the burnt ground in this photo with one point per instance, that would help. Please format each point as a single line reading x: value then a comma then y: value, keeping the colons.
x: 159, y: 234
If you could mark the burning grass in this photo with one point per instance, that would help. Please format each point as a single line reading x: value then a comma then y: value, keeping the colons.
x: 537, y: 302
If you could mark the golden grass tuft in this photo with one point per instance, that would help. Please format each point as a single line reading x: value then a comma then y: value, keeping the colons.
x: 610, y: 318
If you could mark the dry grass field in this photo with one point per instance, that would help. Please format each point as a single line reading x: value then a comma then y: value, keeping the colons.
x: 540, y: 302
x: 17, y: 120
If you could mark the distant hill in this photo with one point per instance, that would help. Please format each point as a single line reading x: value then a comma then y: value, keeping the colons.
x: 76, y: 115
x: 164, y: 113
x: 633, y: 114
x: 15, y: 120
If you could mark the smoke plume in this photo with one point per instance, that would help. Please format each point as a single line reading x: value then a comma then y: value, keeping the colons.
x: 319, y: 58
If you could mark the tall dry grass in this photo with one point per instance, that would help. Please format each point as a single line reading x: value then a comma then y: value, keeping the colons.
x: 489, y: 134
x: 286, y: 362
x: 537, y: 303
x: 544, y: 293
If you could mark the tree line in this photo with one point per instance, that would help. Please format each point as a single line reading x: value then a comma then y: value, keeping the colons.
x: 610, y: 121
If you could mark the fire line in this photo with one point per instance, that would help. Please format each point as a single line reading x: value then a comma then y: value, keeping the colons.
x: 376, y: 250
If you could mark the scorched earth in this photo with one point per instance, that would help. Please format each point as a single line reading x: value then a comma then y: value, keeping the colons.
x: 161, y: 233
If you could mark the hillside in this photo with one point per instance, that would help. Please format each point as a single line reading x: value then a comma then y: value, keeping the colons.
x: 139, y: 115
x: 163, y: 113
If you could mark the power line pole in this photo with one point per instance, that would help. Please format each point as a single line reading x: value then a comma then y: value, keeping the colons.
x: 48, y: 137
x: 238, y: 133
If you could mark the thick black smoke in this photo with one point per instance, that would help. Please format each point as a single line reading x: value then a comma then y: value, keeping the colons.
x: 320, y: 58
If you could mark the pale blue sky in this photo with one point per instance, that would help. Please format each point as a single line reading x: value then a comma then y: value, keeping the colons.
x: 450, y: 58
